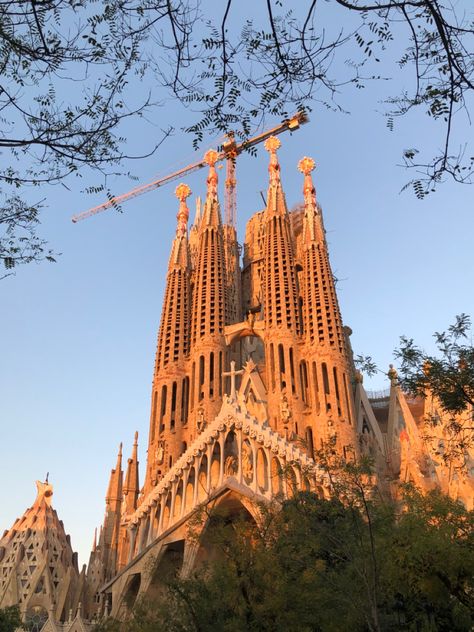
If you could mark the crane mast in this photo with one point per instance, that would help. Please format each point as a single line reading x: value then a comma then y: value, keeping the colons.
x: 229, y: 152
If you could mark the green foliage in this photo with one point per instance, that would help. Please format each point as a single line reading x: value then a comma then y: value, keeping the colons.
x: 65, y: 70
x: 365, y: 364
x: 69, y: 72
x: 10, y: 619
x: 19, y: 242
x: 448, y: 376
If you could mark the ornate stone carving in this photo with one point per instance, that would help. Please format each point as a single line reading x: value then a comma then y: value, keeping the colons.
x: 201, y: 423
x: 231, y: 465
x: 272, y: 144
x: 160, y: 452
x: 306, y: 165
x: 247, y: 462
x: 285, y: 412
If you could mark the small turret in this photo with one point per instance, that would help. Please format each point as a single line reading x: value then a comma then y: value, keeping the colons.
x: 130, y: 486
x: 114, y: 490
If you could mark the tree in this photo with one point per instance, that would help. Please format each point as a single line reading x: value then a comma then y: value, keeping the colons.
x: 69, y: 69
x: 449, y: 378
x: 291, y: 59
x: 65, y: 67
x: 10, y: 619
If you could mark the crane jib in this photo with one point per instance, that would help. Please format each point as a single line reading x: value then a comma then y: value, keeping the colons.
x: 229, y: 150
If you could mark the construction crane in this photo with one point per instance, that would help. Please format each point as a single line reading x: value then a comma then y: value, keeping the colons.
x: 229, y: 152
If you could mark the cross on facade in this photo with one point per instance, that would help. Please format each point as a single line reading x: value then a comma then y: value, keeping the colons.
x: 232, y: 374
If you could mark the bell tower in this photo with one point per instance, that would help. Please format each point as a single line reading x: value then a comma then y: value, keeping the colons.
x: 280, y: 304
x: 326, y: 365
x: 170, y: 393
x: 209, y: 309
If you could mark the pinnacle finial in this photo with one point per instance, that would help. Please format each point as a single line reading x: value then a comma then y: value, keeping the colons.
x: 271, y: 145
x: 135, y: 442
x: 119, y: 458
x: 306, y: 165
x: 392, y: 373
x: 182, y: 192
x: 44, y: 492
x: 210, y: 158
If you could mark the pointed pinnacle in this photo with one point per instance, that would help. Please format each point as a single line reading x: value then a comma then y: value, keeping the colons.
x: 271, y: 145
x: 119, y: 458
x: 210, y: 158
x: 306, y: 165
x: 182, y: 192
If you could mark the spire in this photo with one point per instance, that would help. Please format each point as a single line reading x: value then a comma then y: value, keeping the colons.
x: 182, y: 192
x: 130, y: 486
x: 272, y: 144
x: 276, y: 203
x: 280, y: 286
x: 322, y: 318
x: 173, y: 338
x: 113, y: 511
x: 118, y: 467
x: 209, y: 294
x: 179, y: 251
x: 211, y: 214
x: 94, y: 541
x: 197, y: 214
x: 44, y: 494
x: 312, y: 226
x: 114, y: 490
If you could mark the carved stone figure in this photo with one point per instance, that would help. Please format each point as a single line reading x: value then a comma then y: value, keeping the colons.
x: 247, y: 464
x: 285, y: 411
x: 230, y: 465
x: 160, y: 452
x: 201, y: 423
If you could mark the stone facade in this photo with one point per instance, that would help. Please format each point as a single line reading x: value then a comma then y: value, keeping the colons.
x: 253, y: 372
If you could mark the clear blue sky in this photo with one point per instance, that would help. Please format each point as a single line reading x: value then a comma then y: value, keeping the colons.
x: 79, y: 336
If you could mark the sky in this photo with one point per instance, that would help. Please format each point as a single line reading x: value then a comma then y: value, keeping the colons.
x: 78, y: 337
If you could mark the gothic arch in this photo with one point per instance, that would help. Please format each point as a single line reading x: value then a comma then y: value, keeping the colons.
x: 215, y: 465
x: 277, y: 475
x: 178, y: 502
x: 230, y: 507
x: 190, y: 485
x: 202, y: 480
x: 166, y: 513
x: 262, y: 471
x: 165, y: 566
x: 131, y: 591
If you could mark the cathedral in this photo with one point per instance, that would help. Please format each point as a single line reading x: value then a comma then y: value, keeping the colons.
x: 253, y: 373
